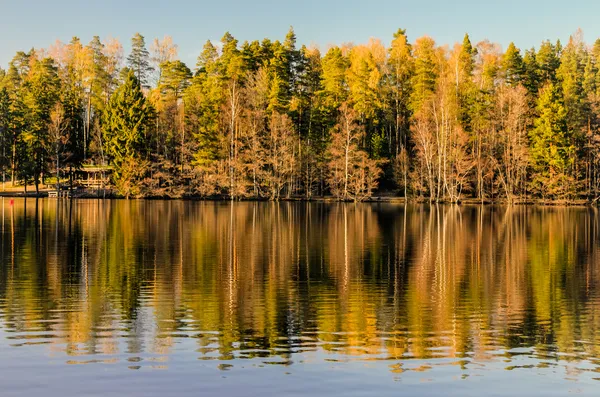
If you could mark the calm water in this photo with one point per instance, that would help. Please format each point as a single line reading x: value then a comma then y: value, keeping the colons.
x: 175, y: 298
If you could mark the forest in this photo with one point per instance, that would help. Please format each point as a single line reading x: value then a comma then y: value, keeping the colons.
x: 275, y: 120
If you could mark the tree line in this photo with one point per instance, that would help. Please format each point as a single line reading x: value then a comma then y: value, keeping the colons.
x: 274, y: 120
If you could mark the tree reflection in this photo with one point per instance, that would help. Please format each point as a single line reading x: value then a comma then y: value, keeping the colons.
x: 255, y: 280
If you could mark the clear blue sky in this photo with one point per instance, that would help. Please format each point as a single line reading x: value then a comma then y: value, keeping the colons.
x: 38, y: 23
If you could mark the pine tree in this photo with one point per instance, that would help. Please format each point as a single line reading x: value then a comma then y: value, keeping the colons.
x: 101, y: 78
x: 40, y: 92
x: 231, y: 61
x: 139, y: 59
x: 175, y: 78
x: 207, y: 60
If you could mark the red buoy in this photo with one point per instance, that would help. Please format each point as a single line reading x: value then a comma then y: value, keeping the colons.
x: 12, y: 202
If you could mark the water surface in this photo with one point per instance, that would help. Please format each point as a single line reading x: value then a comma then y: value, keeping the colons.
x: 167, y: 298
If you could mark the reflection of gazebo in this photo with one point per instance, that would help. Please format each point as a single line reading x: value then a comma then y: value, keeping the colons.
x: 93, y: 177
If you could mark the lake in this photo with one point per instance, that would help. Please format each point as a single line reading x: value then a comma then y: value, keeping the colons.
x: 169, y: 298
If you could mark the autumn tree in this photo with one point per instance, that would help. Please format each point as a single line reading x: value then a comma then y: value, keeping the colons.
x: 512, y: 159
x: 279, y: 155
x: 57, y: 128
x: 352, y: 174
x: 162, y: 51
x: 254, y: 157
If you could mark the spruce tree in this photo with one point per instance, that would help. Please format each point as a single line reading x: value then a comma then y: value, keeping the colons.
x: 512, y: 66
x: 531, y: 76
x: 590, y: 73
x: 570, y: 75
x: 552, y: 147
x: 335, y: 87
x: 548, y: 59
x: 401, y: 69
x: 126, y: 122
x: 467, y: 90
x: 279, y: 76
x: 203, y: 101
x: 467, y: 58
x: 426, y: 72
x: 252, y: 55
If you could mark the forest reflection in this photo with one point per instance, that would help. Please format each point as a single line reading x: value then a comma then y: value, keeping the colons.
x: 276, y: 281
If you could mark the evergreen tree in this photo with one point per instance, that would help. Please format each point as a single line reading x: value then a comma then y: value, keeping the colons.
x: 364, y: 78
x: 139, y: 59
x: 590, y: 73
x: 231, y: 61
x: 203, y: 100
x: 531, y: 76
x: 175, y: 78
x: 467, y: 91
x: 40, y: 92
x: 426, y: 72
x: 74, y: 141
x: 548, y: 59
x: 207, y: 60
x: 127, y: 121
x: 279, y: 76
x: 512, y: 66
x: 252, y: 55
x: 570, y: 75
x: 552, y: 148
x: 5, y: 133
x: 293, y: 57
x: 467, y: 59
x: 335, y: 86
x: 400, y: 71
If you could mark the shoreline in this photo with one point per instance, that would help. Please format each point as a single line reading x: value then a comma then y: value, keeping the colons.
x: 326, y: 199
